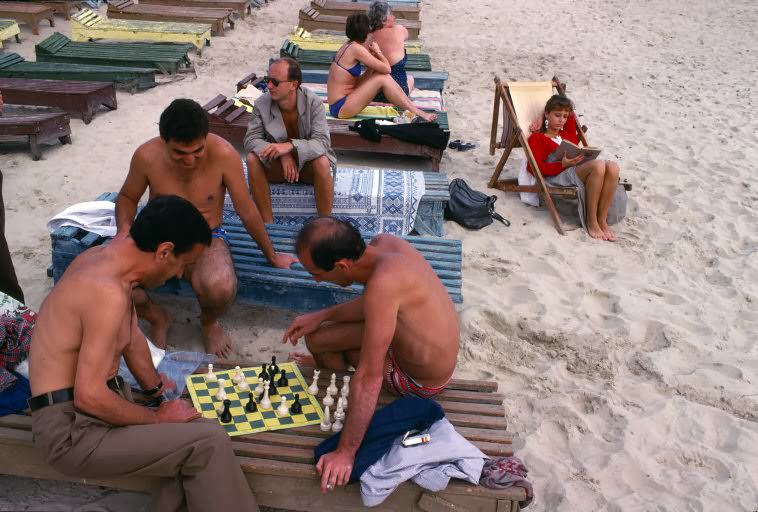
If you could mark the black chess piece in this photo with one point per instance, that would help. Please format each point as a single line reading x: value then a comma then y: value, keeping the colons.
x: 264, y: 374
x: 272, y: 391
x: 226, y: 414
x: 273, y: 369
x: 282, y: 382
x: 251, y: 406
x: 296, y: 407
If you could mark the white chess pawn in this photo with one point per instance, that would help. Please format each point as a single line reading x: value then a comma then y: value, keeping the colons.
x: 266, y: 401
x: 344, y: 401
x: 283, y: 410
x: 325, y: 423
x: 313, y: 389
x: 337, y: 425
x: 221, y: 393
x: 242, y: 384
x: 259, y: 387
x: 237, y: 377
x: 332, y: 389
x: 210, y: 376
x: 339, y: 414
x: 328, y: 400
x: 345, y: 385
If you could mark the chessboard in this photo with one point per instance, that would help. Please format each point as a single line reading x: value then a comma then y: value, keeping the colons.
x: 203, y: 397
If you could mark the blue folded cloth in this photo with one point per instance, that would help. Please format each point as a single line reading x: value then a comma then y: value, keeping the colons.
x: 13, y: 399
x: 397, y: 418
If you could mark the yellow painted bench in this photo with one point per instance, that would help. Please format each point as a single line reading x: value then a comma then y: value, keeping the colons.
x: 333, y: 42
x: 87, y: 25
x: 8, y: 29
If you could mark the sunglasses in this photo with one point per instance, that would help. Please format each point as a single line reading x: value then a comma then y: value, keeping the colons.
x: 267, y: 79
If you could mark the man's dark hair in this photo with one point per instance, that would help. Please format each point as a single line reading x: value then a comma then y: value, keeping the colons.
x: 170, y: 219
x: 329, y: 240
x: 294, y: 73
x: 357, y: 27
x: 183, y: 121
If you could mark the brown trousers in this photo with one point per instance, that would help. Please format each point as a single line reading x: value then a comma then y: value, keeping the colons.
x: 194, y: 461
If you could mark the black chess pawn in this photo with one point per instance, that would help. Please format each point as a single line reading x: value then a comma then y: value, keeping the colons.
x: 251, y: 406
x: 264, y: 374
x: 272, y: 391
x: 282, y: 382
x: 296, y: 407
x: 226, y: 414
x: 273, y: 369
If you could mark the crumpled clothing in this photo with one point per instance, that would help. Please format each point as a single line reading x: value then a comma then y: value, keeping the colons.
x: 505, y: 472
x: 13, y: 398
x: 16, y: 326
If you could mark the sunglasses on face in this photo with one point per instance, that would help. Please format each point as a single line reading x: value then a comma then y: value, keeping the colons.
x: 268, y: 79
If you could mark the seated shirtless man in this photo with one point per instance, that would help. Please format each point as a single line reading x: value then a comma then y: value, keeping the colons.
x: 188, y: 161
x: 83, y: 418
x: 402, y: 332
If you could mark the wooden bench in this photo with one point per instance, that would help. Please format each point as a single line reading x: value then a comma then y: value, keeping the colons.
x: 37, y: 128
x: 87, y: 25
x: 311, y: 19
x: 13, y: 65
x: 333, y: 42
x: 241, y: 7
x: 128, y: 10
x: 62, y: 7
x: 279, y: 465
x: 24, y: 12
x: 342, y: 8
x: 433, y: 80
x: 322, y: 59
x: 8, y: 29
x: 166, y: 57
x: 79, y: 98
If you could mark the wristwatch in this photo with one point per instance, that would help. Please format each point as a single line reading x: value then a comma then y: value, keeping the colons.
x: 154, y: 390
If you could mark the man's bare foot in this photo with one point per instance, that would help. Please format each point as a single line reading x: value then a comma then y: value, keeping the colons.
x: 159, y: 324
x: 595, y: 232
x: 216, y: 340
x: 609, y: 234
x: 427, y: 116
x: 302, y: 359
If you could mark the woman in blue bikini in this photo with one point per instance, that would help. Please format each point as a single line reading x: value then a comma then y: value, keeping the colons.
x: 348, y: 90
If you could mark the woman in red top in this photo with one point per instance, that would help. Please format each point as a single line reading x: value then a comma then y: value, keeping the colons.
x: 597, y: 180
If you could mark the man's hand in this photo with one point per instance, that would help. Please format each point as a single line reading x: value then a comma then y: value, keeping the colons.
x: 570, y: 162
x: 335, y: 469
x: 283, y: 260
x: 176, y: 411
x: 289, y: 167
x: 302, y: 326
x: 276, y: 149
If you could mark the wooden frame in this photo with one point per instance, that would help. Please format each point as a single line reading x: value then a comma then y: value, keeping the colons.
x: 279, y: 465
x: 37, y: 128
x: 128, y: 10
x: 512, y: 136
x: 311, y: 19
x: 241, y: 7
x: 28, y: 13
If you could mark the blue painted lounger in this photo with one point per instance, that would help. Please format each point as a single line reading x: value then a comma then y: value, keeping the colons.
x: 261, y: 284
x: 431, y: 80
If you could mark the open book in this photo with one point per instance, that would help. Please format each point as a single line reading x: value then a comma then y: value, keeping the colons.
x: 571, y: 150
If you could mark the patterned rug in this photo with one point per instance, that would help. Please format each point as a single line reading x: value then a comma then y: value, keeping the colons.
x: 372, y: 200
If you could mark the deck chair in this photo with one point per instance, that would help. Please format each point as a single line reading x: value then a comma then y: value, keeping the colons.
x: 331, y: 41
x: 241, y: 7
x: 128, y: 10
x: 37, y: 127
x: 404, y: 11
x: 522, y: 102
x: 322, y: 59
x: 311, y: 19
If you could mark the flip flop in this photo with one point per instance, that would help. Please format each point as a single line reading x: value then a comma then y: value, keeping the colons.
x: 456, y: 144
x: 465, y: 146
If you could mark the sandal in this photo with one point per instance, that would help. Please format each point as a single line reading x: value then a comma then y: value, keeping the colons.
x: 466, y: 146
x: 456, y: 144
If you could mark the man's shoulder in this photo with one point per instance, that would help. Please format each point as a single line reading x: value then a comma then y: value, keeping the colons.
x: 149, y: 148
x: 263, y: 103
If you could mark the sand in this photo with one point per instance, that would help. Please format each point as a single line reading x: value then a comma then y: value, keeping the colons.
x: 629, y: 368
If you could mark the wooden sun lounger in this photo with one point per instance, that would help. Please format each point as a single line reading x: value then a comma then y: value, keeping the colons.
x: 311, y: 19
x: 279, y: 465
x: 79, y: 98
x: 37, y: 127
x: 343, y: 8
x: 128, y: 10
x: 166, y: 57
x: 333, y: 42
x: 8, y: 29
x: 260, y: 283
x: 62, y: 7
x: 432, y: 80
x: 87, y: 25
x: 322, y: 59
x: 521, y: 103
x: 24, y: 12
x: 13, y: 65
x: 241, y: 7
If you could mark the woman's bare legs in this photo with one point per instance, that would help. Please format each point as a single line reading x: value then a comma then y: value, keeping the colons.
x: 610, y: 183
x: 592, y: 173
x: 368, y: 88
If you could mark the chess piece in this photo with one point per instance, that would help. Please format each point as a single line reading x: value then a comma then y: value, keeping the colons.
x: 345, y: 385
x: 242, y: 384
x: 226, y: 414
x: 283, y: 382
x: 264, y: 373
x: 339, y: 414
x: 237, y: 377
x: 313, y: 390
x: 272, y: 387
x: 337, y: 425
x: 210, y: 376
x: 265, y: 401
x: 328, y: 400
x: 259, y: 387
x: 332, y: 389
x: 344, y: 402
x: 273, y: 368
x: 326, y: 425
x: 221, y: 393
x: 296, y: 408
x: 251, y: 406
x: 283, y: 410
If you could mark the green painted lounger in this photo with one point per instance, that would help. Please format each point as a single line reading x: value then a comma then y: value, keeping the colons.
x: 321, y: 59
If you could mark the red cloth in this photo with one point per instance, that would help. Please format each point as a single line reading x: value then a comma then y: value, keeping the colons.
x: 542, y: 145
x: 16, y: 326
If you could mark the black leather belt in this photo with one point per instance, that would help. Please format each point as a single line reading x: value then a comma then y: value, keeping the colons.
x: 67, y: 395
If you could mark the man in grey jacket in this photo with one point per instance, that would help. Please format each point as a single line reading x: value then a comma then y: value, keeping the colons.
x: 287, y: 140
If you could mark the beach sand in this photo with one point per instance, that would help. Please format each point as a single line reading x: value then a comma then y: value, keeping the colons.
x: 629, y: 368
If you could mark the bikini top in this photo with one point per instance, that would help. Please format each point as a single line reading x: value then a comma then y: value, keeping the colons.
x: 355, y: 70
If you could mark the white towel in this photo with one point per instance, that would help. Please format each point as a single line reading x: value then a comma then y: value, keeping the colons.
x: 96, y: 216
x: 526, y: 178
